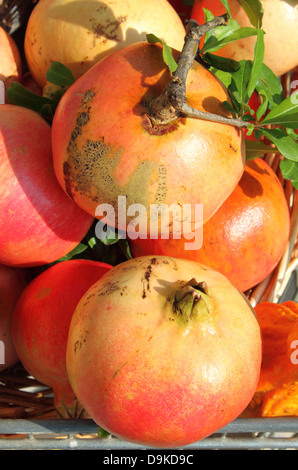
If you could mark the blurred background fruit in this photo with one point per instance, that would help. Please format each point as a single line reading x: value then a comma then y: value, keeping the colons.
x: 280, y: 23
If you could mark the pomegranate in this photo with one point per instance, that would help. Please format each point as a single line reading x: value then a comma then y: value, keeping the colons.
x: 163, y: 351
x: 10, y: 61
x: 280, y: 23
x: 12, y: 283
x: 245, y: 238
x: 106, y: 145
x: 41, y: 323
x: 79, y: 34
x: 38, y: 224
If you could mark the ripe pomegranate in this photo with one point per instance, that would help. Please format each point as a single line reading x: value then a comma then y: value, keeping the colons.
x: 246, y: 237
x: 106, y: 145
x: 12, y: 283
x: 163, y: 351
x: 79, y: 34
x: 38, y: 224
x: 10, y: 61
x: 41, y: 323
x: 280, y: 23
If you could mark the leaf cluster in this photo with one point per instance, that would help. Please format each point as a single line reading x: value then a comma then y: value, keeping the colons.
x: 276, y: 118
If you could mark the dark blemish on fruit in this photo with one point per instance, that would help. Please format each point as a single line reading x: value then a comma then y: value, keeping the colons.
x: 79, y: 343
x: 109, y: 30
x: 161, y: 192
x: 88, y: 96
x: 118, y: 370
x: 92, y: 164
x: 82, y: 119
x: 146, y: 278
x: 110, y: 287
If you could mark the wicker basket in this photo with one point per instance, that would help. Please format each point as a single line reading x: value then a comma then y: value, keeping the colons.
x: 28, y: 419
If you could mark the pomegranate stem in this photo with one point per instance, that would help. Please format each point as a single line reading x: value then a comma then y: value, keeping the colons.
x: 171, y: 104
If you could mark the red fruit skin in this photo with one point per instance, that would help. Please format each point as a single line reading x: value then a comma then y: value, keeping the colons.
x: 245, y: 238
x: 146, y: 375
x: 12, y: 283
x: 104, y: 147
x: 254, y: 103
x: 38, y: 223
x: 41, y: 322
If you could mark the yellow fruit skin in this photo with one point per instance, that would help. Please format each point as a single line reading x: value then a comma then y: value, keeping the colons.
x: 280, y: 23
x: 10, y: 61
x: 79, y: 34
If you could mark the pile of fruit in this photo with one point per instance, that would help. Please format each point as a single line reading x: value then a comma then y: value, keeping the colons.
x: 107, y: 110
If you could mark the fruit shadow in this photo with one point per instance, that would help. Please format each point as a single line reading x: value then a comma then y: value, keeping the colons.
x: 108, y: 29
x: 249, y: 184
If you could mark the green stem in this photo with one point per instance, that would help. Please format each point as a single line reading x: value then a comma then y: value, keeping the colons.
x: 172, y: 102
x: 192, y: 301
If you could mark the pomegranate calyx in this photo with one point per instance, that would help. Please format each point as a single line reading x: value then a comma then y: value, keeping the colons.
x: 192, y: 301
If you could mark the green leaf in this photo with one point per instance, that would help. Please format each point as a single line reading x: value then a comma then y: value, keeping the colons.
x: 289, y: 170
x: 227, y: 7
x: 250, y: 129
x: 248, y: 117
x: 59, y: 74
x: 229, y: 107
x: 208, y: 17
x: 219, y: 33
x: 256, y: 148
x: 167, y: 52
x: 80, y: 248
x: 224, y: 77
x: 287, y: 146
x: 240, y: 80
x: 22, y: 96
x: 292, y: 133
x: 221, y: 63
x: 102, y: 433
x: 263, y: 106
x: 285, y: 114
x: 254, y: 11
x: 215, y: 43
x: 257, y: 64
x: 270, y: 85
